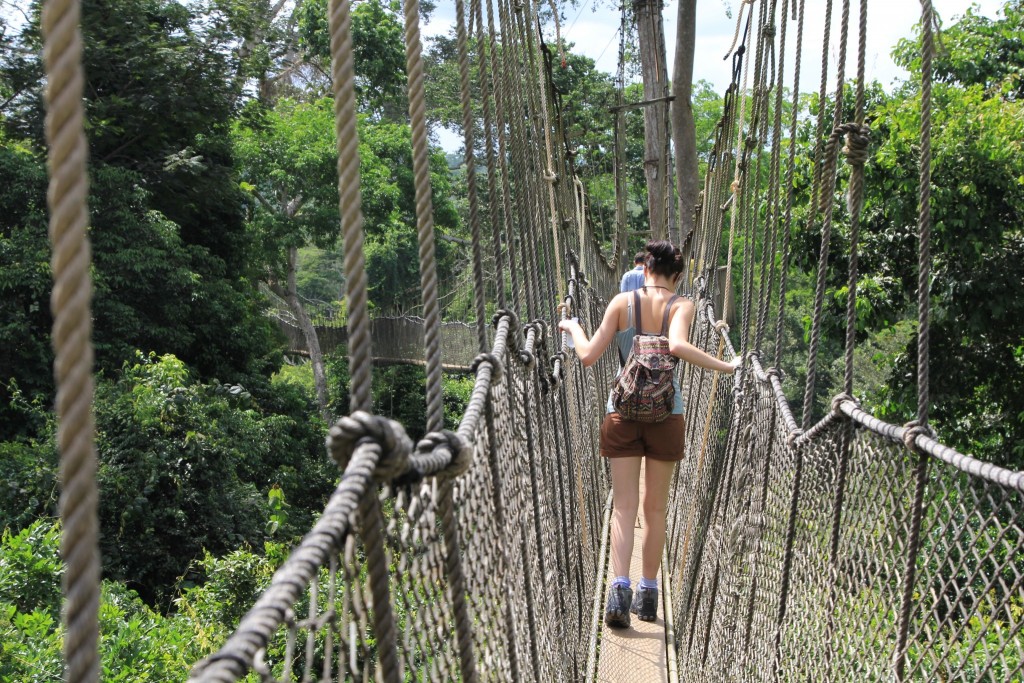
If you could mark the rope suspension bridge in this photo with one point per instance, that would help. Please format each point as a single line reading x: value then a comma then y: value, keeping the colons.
x: 846, y: 549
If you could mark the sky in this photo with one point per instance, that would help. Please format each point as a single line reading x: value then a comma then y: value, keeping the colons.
x: 593, y: 28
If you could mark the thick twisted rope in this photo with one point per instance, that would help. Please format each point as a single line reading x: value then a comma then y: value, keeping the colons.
x: 350, y: 202
x: 920, y: 425
x: 70, y: 302
x: 470, y: 159
x: 343, y: 84
x: 826, y: 188
x: 790, y: 170
x: 253, y: 634
x: 484, y: 51
x: 856, y: 153
x: 431, y: 311
x: 924, y: 219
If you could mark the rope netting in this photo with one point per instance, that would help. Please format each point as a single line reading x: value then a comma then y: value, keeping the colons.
x: 850, y: 548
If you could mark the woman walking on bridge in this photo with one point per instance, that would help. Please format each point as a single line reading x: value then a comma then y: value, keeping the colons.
x: 644, y: 417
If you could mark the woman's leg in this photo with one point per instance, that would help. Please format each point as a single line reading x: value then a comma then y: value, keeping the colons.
x: 625, y: 502
x: 657, y: 480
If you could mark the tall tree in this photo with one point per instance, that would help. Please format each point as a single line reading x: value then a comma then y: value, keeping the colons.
x: 684, y: 132
x: 651, y: 32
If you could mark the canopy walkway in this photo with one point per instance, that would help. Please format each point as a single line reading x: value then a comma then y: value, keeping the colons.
x: 396, y: 341
x: 848, y: 549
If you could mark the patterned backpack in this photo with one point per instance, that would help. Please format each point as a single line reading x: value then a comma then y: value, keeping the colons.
x: 643, y: 390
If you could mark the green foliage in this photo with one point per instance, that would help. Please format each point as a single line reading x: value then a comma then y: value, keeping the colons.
x: 978, y: 51
x: 187, y: 467
x: 389, y: 208
x: 137, y: 643
x: 977, y: 378
x: 28, y: 470
x: 25, y: 322
x: 379, y: 51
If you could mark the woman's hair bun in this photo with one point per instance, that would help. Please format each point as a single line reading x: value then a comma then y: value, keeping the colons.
x: 664, y: 258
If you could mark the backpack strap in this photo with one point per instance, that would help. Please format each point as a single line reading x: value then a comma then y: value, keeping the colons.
x: 637, y: 324
x: 668, y: 311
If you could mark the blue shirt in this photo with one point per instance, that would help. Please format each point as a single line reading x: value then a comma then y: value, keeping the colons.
x: 624, y: 341
x: 632, y: 279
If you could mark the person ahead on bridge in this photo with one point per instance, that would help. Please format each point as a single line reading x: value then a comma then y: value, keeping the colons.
x: 634, y: 279
x: 627, y: 442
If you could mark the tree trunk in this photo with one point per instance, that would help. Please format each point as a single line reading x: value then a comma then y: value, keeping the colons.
x: 650, y: 30
x: 684, y: 131
x: 316, y: 357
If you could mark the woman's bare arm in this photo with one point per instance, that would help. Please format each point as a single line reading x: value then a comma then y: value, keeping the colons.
x: 679, y: 344
x: 589, y: 350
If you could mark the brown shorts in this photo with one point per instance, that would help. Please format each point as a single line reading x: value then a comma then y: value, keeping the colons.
x: 622, y: 438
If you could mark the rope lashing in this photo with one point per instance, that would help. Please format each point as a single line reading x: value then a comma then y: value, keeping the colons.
x: 351, y: 430
x: 533, y: 333
x: 838, y: 400
x: 912, y: 430
x: 497, y: 369
x: 444, y: 454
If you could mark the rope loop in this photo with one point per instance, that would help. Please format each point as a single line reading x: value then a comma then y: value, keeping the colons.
x: 775, y: 372
x: 838, y: 400
x: 448, y: 445
x: 911, y: 431
x: 504, y: 313
x: 722, y: 326
x: 793, y: 436
x: 497, y: 369
x: 352, y: 430
x: 551, y: 177
x: 558, y: 363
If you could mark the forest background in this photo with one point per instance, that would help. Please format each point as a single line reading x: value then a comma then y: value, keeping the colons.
x: 213, y: 206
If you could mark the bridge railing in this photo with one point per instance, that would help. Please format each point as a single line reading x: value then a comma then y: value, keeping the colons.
x: 858, y: 551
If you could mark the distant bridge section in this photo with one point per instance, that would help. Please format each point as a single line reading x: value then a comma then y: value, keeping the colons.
x: 396, y: 341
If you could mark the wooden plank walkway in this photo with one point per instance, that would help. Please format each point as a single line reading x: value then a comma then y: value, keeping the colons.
x: 636, y: 654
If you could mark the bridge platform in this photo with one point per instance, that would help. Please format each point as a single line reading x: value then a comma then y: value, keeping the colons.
x: 638, y: 654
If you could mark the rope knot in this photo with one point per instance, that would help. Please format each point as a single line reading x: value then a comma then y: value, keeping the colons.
x: 449, y: 446
x: 857, y: 141
x: 775, y: 372
x: 911, y: 431
x: 361, y: 427
x: 497, y: 369
x: 838, y: 400
x: 722, y: 326
x: 793, y: 436
x: 551, y: 177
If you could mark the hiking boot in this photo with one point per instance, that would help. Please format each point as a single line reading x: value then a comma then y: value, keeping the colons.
x: 617, y: 612
x: 645, y: 604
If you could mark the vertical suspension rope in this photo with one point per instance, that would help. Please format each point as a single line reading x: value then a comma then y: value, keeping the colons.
x: 550, y: 177
x: 920, y: 425
x: 824, y: 202
x: 350, y: 203
x: 350, y: 207
x: 484, y: 48
x: 432, y: 315
x: 71, y: 303
x: 474, y: 214
x: 790, y: 170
